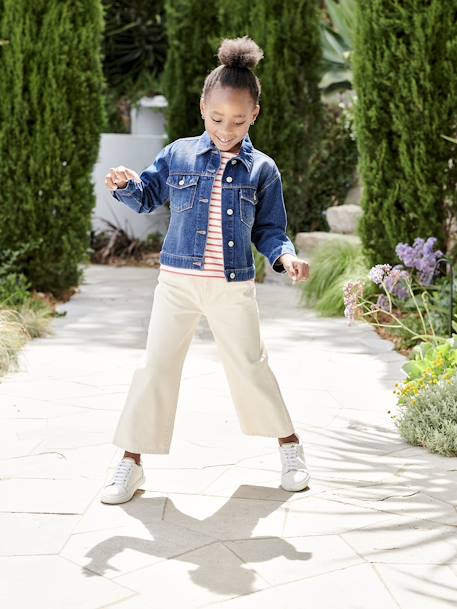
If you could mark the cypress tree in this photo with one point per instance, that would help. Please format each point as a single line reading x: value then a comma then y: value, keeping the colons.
x: 51, y: 113
x: 189, y: 26
x: 405, y: 74
x: 235, y: 21
x: 289, y: 125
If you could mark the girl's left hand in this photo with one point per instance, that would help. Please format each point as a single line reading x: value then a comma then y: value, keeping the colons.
x: 297, y: 269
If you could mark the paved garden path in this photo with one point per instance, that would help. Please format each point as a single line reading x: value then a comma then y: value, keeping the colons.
x: 376, y: 529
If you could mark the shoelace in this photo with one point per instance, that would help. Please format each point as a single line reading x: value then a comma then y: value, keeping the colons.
x: 122, y: 472
x: 292, y: 456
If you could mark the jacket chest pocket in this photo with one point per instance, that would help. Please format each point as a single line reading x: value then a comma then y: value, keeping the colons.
x: 182, y: 191
x: 248, y: 202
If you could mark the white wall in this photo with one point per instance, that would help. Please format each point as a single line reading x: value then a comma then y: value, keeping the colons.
x: 136, y: 150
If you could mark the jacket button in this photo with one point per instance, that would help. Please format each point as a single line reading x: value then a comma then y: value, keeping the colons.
x: 234, y: 161
x: 231, y: 244
x: 232, y: 275
x: 181, y: 182
x: 229, y: 179
x: 230, y: 212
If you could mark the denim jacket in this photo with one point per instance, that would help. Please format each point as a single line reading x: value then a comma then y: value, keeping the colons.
x: 252, y: 204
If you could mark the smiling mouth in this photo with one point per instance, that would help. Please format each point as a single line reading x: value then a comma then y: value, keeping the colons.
x: 224, y: 142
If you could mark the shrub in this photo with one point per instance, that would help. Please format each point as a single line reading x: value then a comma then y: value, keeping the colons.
x: 429, y: 418
x: 51, y: 114
x: 429, y: 363
x: 14, y: 286
x: 405, y: 75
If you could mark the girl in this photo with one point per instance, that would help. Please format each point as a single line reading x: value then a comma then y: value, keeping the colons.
x: 223, y: 194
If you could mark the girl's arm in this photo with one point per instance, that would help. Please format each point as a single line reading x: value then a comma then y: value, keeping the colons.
x: 152, y: 191
x: 269, y: 230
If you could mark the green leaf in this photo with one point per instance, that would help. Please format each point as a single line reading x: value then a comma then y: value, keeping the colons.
x: 332, y: 49
x: 450, y: 139
x: 412, y: 369
x: 422, y: 349
x: 343, y: 18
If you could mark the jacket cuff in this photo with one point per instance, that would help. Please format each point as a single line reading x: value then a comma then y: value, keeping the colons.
x: 277, y: 253
x: 130, y: 187
x: 127, y: 195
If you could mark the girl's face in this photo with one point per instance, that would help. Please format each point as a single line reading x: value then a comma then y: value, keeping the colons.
x: 228, y: 114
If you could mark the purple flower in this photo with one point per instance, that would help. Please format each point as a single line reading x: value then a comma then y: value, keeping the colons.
x: 394, y: 280
x: 420, y: 256
x: 377, y: 272
x: 382, y: 304
x: 429, y: 245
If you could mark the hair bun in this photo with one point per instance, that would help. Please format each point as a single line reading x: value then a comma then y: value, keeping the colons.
x: 239, y: 53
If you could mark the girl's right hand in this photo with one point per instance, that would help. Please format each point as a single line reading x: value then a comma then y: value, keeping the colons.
x: 117, y: 177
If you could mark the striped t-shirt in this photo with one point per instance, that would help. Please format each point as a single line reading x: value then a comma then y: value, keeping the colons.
x: 214, y: 254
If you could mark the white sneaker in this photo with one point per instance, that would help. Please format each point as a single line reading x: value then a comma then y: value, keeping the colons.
x: 127, y: 478
x: 294, y: 475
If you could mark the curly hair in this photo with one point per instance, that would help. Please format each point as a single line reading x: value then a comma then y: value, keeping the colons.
x: 237, y: 57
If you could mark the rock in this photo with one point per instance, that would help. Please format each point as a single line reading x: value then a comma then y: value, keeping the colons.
x: 343, y: 218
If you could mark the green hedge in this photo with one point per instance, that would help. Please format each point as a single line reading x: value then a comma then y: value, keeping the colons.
x: 51, y: 113
x: 405, y: 74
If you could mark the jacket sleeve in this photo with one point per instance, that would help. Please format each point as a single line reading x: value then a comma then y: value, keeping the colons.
x: 153, y: 191
x: 269, y: 230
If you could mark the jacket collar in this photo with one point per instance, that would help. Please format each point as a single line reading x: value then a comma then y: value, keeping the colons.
x: 245, y: 155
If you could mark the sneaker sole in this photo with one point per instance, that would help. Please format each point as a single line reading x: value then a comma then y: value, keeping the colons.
x: 115, y: 500
x: 303, y: 485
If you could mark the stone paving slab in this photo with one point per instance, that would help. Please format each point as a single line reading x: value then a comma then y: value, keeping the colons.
x: 211, y: 526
